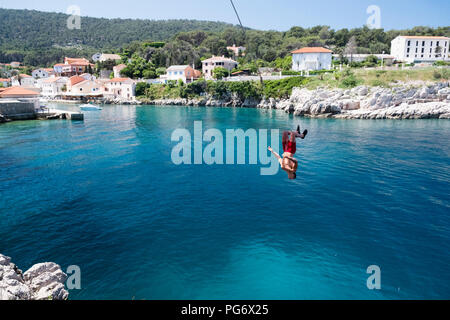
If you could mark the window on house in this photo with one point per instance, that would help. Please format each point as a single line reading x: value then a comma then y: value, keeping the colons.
x: 437, y: 43
x: 423, y: 50
x: 423, y: 43
x: 431, y: 44
x: 409, y: 43
x: 417, y: 43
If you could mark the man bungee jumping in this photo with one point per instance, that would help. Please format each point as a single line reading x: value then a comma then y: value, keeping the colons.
x: 288, y: 163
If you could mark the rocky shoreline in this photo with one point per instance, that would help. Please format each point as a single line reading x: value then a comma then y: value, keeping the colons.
x: 43, y: 281
x: 406, y: 101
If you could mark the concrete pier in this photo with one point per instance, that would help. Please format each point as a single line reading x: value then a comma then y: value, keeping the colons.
x: 11, y: 110
x: 51, y: 114
x: 17, y: 110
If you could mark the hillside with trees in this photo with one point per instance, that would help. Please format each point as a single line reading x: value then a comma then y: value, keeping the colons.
x: 41, y: 39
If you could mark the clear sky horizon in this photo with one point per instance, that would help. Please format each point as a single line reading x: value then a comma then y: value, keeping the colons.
x: 260, y: 14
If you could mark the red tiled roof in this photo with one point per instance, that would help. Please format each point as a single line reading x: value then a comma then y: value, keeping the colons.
x: 312, y: 50
x: 197, y: 74
x: 50, y: 80
x: 119, y: 79
x: 76, y: 79
x: 5, y: 80
x: 76, y: 60
x: 23, y: 75
x: 17, y: 91
x: 120, y: 66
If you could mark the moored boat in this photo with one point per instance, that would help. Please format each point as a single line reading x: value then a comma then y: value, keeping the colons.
x: 90, y: 107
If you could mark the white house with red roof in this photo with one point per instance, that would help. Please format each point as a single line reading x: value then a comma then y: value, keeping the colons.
x: 42, y: 73
x: 18, y: 92
x: 311, y: 59
x: 86, y: 88
x: 120, y: 88
x: 118, y: 69
x: 420, y: 48
x: 72, y: 66
x: 53, y: 87
x: 26, y: 80
x: 185, y: 73
x: 210, y: 64
x: 237, y: 51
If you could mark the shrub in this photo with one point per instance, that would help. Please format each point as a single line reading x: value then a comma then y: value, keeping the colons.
x: 378, y: 83
x: 217, y: 89
x: 195, y: 88
x: 441, y: 63
x: 319, y: 72
x: 348, y: 79
x: 437, y: 75
x: 141, y: 87
x: 441, y: 74
x: 282, y: 88
x: 291, y: 73
x: 220, y: 73
x: 244, y: 90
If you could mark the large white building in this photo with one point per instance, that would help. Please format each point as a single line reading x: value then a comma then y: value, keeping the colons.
x: 420, y: 48
x: 311, y: 58
x: 209, y: 65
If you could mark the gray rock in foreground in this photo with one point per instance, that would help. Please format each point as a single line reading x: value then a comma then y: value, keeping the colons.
x: 43, y: 281
x: 402, y: 102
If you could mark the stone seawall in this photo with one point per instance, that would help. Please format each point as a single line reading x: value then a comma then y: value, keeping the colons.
x: 431, y: 101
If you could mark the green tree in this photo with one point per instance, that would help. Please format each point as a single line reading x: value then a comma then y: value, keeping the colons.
x: 220, y: 73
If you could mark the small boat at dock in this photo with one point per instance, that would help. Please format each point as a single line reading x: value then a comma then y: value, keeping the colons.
x: 90, y: 107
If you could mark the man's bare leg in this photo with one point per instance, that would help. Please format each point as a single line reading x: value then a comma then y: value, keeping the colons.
x: 285, y: 139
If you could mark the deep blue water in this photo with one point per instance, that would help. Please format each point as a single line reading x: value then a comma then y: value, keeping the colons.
x: 103, y: 194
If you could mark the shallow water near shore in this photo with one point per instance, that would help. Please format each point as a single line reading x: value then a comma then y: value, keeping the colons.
x: 103, y: 194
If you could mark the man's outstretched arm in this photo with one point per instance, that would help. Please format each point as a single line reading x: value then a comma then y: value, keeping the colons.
x: 274, y: 153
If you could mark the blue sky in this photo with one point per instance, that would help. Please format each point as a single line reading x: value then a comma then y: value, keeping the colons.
x: 260, y: 14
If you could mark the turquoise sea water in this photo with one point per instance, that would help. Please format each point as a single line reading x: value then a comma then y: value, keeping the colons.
x: 103, y: 194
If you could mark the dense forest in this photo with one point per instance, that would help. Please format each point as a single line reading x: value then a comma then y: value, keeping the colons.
x: 41, y: 39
